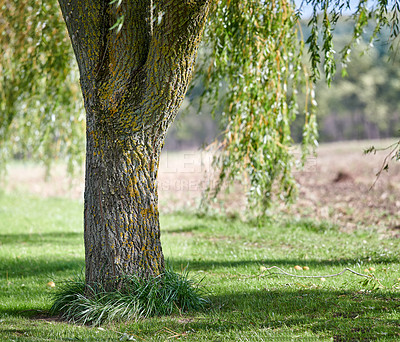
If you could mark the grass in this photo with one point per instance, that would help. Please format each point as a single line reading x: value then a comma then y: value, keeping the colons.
x: 137, y: 299
x: 41, y: 241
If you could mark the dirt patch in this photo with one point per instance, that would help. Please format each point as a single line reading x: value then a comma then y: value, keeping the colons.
x: 343, y: 177
x: 341, y: 188
x: 48, y: 319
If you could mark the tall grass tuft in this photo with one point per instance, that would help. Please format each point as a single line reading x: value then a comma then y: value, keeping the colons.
x: 137, y: 298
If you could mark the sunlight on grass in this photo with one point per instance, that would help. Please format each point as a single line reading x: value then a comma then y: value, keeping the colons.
x: 41, y: 241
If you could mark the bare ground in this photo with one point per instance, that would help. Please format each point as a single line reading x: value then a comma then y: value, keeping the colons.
x: 335, y: 185
x: 342, y: 186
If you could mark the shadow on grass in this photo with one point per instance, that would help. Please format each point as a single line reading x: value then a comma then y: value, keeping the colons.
x: 204, y: 265
x: 184, y: 230
x: 39, y: 266
x: 23, y: 282
x: 35, y: 238
x: 344, y: 315
x: 268, y: 315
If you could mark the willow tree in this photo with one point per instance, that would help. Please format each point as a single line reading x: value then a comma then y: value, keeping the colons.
x: 135, y: 60
x: 133, y: 79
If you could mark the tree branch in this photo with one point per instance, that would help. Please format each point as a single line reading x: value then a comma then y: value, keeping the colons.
x: 177, y: 29
x: 103, y: 53
x: 84, y: 20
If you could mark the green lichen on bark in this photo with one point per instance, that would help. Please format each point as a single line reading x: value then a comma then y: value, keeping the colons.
x: 133, y: 81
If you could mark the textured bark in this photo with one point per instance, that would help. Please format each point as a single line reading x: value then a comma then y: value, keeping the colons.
x: 133, y: 82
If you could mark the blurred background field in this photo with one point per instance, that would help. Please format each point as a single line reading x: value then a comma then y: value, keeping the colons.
x: 338, y: 184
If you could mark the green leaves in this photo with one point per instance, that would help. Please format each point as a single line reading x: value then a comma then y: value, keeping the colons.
x: 40, y: 100
x: 257, y: 61
x: 383, y: 13
x: 118, y: 2
x: 257, y: 67
x: 118, y: 24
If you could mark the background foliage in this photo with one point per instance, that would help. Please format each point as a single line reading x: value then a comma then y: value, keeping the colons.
x: 40, y: 101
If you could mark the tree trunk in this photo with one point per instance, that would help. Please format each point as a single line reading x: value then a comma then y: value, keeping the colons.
x: 122, y: 233
x: 133, y: 80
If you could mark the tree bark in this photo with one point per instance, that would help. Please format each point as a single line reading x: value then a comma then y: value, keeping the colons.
x: 133, y: 81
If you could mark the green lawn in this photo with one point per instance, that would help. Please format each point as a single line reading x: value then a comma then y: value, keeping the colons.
x: 41, y: 240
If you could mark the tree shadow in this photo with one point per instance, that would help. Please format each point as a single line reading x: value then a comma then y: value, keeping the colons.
x: 183, y: 230
x: 344, y: 315
x: 35, y: 272
x: 21, y: 267
x: 270, y: 314
x: 341, y: 315
x: 207, y: 264
x: 35, y: 238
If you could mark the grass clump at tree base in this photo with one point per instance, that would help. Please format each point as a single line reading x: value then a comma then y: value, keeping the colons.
x: 137, y: 298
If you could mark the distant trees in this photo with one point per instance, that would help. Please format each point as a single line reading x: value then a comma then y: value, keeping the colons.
x: 364, y: 104
x: 362, y: 100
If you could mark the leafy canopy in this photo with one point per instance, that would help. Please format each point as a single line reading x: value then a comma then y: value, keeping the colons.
x: 255, y: 64
x: 258, y: 56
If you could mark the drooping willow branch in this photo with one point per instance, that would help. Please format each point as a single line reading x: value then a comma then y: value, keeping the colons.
x: 393, y: 154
